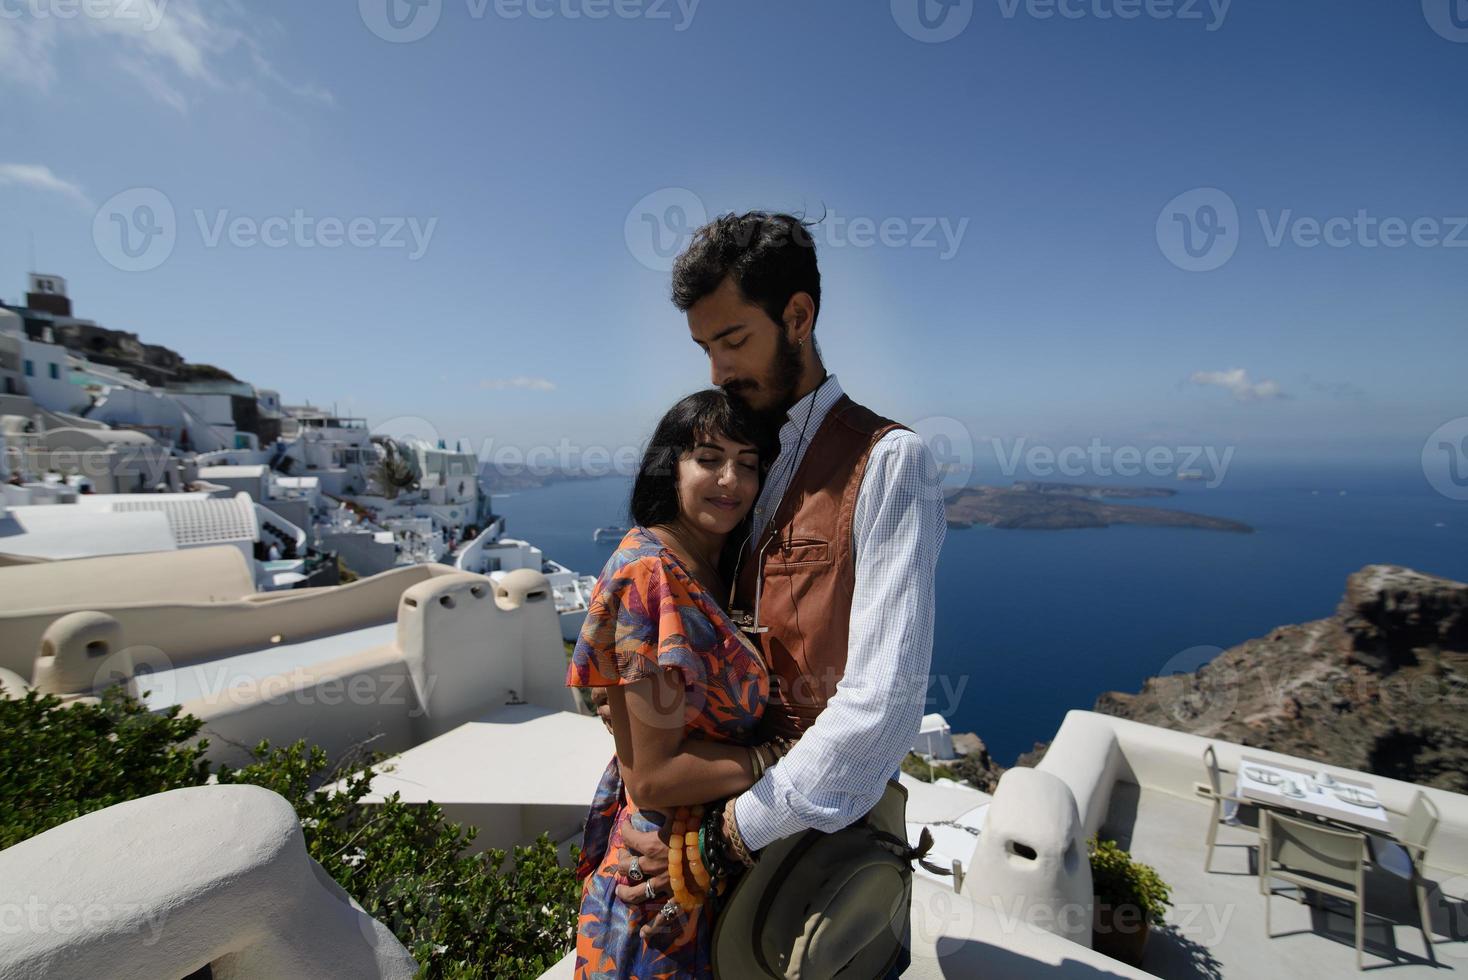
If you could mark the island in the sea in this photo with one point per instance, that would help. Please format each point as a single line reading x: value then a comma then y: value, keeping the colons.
x: 1051, y: 506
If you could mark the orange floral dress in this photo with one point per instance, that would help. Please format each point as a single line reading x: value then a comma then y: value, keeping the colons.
x: 648, y: 613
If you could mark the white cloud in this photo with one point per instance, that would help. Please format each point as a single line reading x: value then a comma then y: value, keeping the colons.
x: 1236, y: 382
x: 39, y: 177
x: 533, y: 384
x: 172, y: 48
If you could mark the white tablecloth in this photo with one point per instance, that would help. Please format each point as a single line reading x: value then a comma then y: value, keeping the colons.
x: 1319, y: 800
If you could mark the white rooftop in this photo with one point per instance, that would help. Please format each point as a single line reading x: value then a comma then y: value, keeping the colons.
x: 247, y: 470
x: 60, y: 531
x: 213, y: 679
x: 515, y: 754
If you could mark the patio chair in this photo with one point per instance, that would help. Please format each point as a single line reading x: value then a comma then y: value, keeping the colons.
x: 1311, y: 856
x: 1406, y: 856
x: 1225, y: 805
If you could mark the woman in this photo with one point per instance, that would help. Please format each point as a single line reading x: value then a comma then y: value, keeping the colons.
x: 684, y: 691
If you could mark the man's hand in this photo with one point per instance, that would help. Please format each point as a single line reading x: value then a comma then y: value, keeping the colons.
x: 653, y: 863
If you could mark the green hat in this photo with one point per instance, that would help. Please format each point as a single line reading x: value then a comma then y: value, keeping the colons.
x: 822, y: 905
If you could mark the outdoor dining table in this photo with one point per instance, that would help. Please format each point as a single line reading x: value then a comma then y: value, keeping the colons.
x: 1344, y: 801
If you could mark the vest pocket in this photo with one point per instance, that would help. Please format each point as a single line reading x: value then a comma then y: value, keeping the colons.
x: 796, y: 553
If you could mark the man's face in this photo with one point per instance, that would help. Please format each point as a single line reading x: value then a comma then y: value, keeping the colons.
x: 750, y: 356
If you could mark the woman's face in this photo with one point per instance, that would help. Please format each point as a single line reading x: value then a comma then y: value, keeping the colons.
x: 718, y: 481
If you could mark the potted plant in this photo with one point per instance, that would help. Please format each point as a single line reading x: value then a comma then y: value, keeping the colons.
x: 1130, y: 898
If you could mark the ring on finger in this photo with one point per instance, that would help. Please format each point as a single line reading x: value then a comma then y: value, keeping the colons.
x: 670, y: 909
x: 651, y: 892
x: 634, y: 871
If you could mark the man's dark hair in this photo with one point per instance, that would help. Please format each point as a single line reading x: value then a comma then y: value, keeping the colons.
x: 701, y: 414
x: 770, y: 257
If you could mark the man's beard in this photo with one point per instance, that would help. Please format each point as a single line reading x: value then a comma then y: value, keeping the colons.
x: 784, y: 377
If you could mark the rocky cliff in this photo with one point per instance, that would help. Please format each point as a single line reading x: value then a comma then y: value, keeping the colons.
x: 1381, y: 686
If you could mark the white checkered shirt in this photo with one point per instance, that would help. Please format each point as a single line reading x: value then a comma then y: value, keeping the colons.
x: 840, y: 766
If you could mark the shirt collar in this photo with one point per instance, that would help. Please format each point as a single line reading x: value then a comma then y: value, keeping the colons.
x: 810, y: 411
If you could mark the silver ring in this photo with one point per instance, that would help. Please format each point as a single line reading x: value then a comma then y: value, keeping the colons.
x: 633, y: 871
x: 652, y: 892
x: 671, y: 909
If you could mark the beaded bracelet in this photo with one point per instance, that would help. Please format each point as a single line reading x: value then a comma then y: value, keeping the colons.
x: 675, y: 865
x: 690, y: 844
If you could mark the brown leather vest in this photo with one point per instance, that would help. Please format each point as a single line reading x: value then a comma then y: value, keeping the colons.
x: 805, y: 558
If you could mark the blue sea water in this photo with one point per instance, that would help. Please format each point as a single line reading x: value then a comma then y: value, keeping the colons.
x: 1031, y: 624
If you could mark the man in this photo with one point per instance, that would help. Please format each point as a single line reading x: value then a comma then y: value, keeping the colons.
x: 836, y: 581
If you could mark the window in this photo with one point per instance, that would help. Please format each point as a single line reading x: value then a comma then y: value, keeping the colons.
x: 55, y: 371
x: 30, y: 368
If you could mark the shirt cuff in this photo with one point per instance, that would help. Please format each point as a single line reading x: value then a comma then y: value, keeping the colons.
x: 761, y: 820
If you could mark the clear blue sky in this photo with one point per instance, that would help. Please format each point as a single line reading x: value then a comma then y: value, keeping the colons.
x: 1053, y: 143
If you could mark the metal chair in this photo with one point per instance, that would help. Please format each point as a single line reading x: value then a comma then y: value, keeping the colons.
x: 1309, y: 855
x: 1225, y: 805
x: 1406, y: 856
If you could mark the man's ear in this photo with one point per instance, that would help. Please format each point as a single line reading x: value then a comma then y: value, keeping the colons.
x: 799, y: 317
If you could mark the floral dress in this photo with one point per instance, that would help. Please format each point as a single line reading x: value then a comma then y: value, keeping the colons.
x: 648, y: 613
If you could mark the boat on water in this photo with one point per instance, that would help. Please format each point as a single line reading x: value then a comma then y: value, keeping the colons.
x: 612, y: 532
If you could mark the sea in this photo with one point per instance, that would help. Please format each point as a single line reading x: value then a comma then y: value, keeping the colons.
x: 1033, y: 623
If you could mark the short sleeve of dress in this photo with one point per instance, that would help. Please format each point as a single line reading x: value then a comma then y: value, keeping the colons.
x: 641, y: 619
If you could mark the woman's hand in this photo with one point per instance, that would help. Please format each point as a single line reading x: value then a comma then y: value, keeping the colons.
x: 652, y: 851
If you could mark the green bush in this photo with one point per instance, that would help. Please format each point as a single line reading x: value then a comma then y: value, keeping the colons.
x: 1119, y: 881
x: 919, y: 768
x: 460, y: 915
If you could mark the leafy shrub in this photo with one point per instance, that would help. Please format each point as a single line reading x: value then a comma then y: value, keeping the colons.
x: 1119, y: 881
x: 460, y: 915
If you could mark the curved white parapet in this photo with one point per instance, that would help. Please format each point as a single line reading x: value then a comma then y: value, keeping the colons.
x: 163, y: 885
x: 1030, y: 862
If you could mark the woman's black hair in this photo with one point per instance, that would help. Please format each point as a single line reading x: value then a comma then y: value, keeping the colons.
x: 701, y: 414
